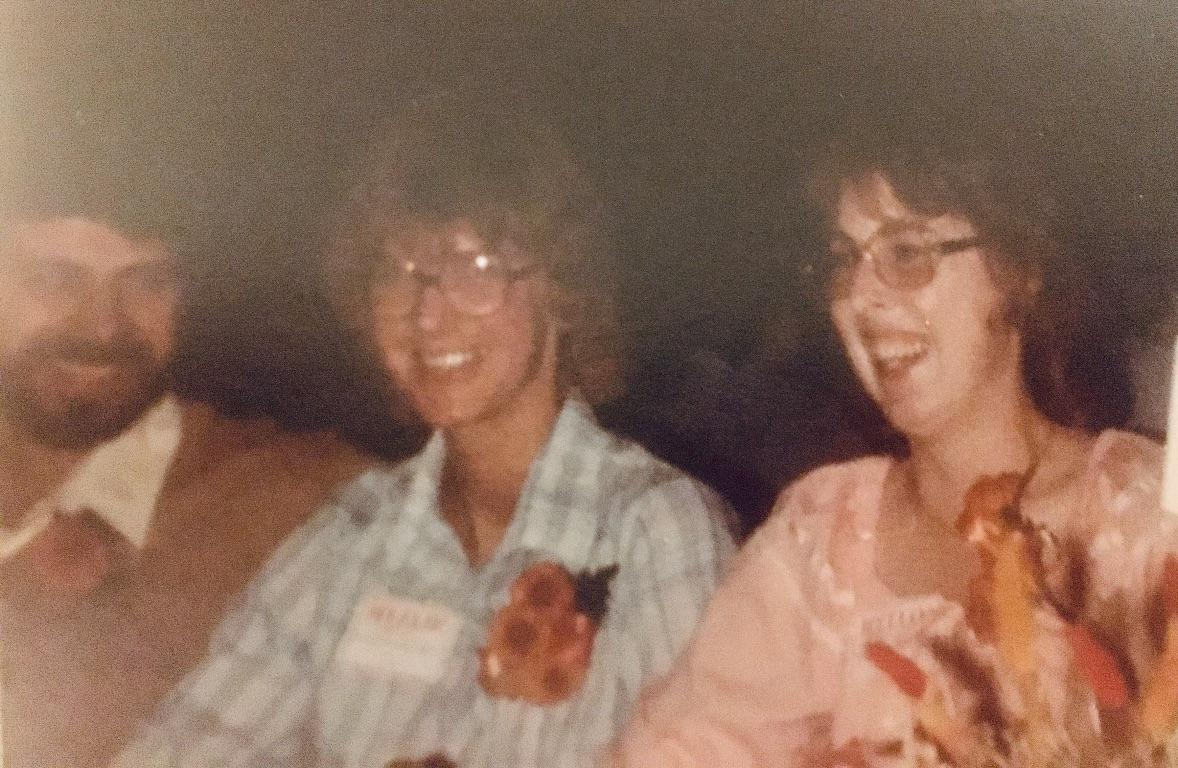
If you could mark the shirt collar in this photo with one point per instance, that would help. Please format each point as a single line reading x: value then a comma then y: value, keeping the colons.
x: 13, y: 540
x: 557, y: 513
x: 121, y: 479
x: 558, y: 508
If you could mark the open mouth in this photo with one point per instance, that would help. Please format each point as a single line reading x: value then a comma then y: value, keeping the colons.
x: 892, y: 358
x: 446, y: 361
x: 894, y: 352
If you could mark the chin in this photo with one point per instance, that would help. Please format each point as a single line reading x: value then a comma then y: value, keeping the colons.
x: 916, y: 422
x: 78, y: 421
x: 913, y: 429
x: 450, y: 413
x: 85, y: 425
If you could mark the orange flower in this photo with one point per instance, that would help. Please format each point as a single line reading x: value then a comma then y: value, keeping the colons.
x: 953, y: 735
x: 539, y: 644
x: 1099, y: 668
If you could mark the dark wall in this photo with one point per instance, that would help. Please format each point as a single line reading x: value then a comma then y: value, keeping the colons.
x: 237, y: 118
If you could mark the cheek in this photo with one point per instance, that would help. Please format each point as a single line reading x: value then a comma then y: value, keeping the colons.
x: 521, y: 340
x: 965, y: 315
x: 22, y: 322
x: 391, y: 336
x: 842, y: 316
x: 518, y: 331
x: 973, y: 332
x: 391, y: 342
x: 155, y: 321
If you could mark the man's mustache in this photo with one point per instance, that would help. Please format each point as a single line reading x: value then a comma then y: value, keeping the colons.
x: 120, y: 352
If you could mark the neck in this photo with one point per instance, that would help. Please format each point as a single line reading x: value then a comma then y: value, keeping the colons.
x: 487, y: 464
x: 486, y: 454
x: 1005, y: 434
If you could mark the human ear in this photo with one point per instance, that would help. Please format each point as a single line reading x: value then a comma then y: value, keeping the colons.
x: 1021, y: 287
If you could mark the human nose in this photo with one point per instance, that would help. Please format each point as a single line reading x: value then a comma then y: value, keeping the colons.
x: 100, y: 312
x: 431, y: 307
x: 865, y: 285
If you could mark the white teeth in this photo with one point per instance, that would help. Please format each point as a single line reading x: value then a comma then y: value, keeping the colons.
x: 895, y: 355
x: 447, y: 360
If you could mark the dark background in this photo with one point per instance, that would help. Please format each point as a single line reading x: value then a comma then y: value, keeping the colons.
x: 237, y: 119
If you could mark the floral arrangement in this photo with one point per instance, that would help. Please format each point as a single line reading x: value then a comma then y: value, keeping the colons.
x: 1022, y: 709
x: 538, y: 645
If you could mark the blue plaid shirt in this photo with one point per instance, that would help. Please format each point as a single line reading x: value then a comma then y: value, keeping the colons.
x: 275, y: 692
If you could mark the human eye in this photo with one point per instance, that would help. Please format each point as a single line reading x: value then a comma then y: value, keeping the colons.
x: 52, y: 277
x: 395, y: 271
x: 480, y: 266
x: 156, y: 278
x: 906, y: 252
x: 907, y: 255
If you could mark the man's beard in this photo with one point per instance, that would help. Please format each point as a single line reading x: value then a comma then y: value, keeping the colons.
x: 77, y: 420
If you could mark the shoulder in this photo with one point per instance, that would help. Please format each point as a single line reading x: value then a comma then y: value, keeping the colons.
x: 819, y: 502
x: 654, y: 519
x: 322, y: 560
x: 263, y: 449
x: 374, y: 496
x: 643, y: 490
x: 353, y: 509
x: 1125, y: 458
x: 827, y: 491
x: 1123, y: 477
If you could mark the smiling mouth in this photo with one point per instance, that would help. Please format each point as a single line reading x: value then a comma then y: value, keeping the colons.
x: 446, y: 361
x: 86, y: 370
x: 895, y: 357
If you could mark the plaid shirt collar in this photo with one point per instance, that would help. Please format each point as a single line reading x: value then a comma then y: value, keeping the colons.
x: 557, y: 513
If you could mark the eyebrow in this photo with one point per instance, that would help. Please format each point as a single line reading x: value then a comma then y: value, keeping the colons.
x: 24, y: 261
x: 64, y: 263
x: 841, y: 238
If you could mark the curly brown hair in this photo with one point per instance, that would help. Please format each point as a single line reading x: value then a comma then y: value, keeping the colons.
x: 510, y: 176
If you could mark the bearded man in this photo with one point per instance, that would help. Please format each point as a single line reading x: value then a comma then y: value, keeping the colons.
x: 128, y: 517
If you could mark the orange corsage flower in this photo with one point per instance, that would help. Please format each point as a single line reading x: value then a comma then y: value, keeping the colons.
x: 538, y: 645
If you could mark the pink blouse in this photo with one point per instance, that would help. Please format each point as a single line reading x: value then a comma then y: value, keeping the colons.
x: 776, y: 670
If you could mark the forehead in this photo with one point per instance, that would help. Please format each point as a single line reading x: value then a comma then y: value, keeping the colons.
x: 435, y: 237
x: 870, y: 202
x: 427, y: 241
x: 78, y: 241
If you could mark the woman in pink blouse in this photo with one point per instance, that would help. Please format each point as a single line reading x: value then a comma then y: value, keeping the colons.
x: 850, y: 630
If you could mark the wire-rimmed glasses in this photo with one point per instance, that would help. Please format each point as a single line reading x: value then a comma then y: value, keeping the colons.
x: 474, y: 283
x: 903, y: 255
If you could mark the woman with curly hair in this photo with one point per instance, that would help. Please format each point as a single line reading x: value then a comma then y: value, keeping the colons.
x: 498, y: 598
x: 995, y: 594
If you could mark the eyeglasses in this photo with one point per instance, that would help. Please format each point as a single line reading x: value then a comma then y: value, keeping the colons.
x: 474, y: 283
x: 903, y: 256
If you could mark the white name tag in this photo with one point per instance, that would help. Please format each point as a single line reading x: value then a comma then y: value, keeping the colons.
x: 392, y: 636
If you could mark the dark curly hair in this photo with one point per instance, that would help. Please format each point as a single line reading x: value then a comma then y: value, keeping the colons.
x: 511, y: 177
x: 1003, y: 186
